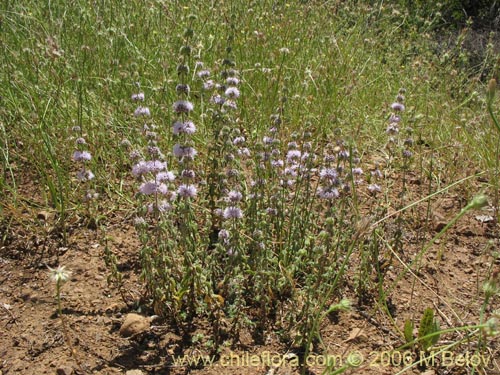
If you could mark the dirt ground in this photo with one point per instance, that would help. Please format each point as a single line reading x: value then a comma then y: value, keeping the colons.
x: 33, y: 339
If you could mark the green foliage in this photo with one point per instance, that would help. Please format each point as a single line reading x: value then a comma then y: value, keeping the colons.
x: 408, y: 330
x: 428, y: 331
x: 456, y: 12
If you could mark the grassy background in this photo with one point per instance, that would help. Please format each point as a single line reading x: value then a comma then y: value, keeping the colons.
x: 76, y: 63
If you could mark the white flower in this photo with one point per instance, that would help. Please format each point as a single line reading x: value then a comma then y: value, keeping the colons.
x: 59, y: 274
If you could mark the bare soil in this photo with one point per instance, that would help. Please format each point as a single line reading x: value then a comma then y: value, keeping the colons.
x: 35, y: 340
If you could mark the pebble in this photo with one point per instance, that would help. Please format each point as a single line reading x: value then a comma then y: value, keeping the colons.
x: 134, y: 324
x: 64, y: 370
x: 134, y: 372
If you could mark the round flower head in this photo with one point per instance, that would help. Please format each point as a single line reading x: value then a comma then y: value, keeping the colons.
x: 217, y: 99
x: 165, y: 176
x: 232, y: 93
x: 374, y: 188
x: 186, y: 127
x: 293, y: 155
x: 161, y: 207
x: 408, y: 141
x: 80, y: 141
x: 140, y: 222
x: 234, y: 196
x: 183, y: 106
x: 329, y: 158
x: 135, y: 154
x: 187, y: 191
x: 59, y: 274
x: 357, y: 171
x: 328, y: 193
x: 230, y: 104
x: 407, y: 154
x: 155, y: 166
x: 343, y: 155
x: 208, y: 85
x: 184, y: 151
x: 140, y: 168
x: 182, y: 88
x: 267, y: 140
x: 223, y: 234
x: 81, y: 156
x: 232, y: 173
x: 232, y: 213
x: 85, y: 175
x: 271, y: 211
x: 90, y: 195
x: 277, y: 163
x: 245, y: 152
x: 232, y: 81
x: 142, y: 111
x: 138, y: 97
x: 291, y: 171
x: 153, y: 187
x: 188, y: 173
x: 398, y: 107
x: 329, y: 174
x: 394, y: 118
x: 204, y: 74
x: 155, y: 151
x: 238, y: 140
x: 392, y: 128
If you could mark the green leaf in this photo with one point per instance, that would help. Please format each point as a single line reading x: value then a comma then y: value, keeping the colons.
x: 436, y: 328
x: 428, y: 326
x: 408, y: 330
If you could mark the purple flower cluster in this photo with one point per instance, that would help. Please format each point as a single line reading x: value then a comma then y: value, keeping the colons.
x: 224, y: 94
x: 339, y: 172
x: 142, y: 112
x: 82, y: 156
x: 152, y: 172
x: 393, y: 128
x: 183, y: 128
x: 375, y: 175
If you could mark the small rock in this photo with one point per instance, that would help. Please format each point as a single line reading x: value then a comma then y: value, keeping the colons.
x: 134, y: 372
x: 484, y: 218
x: 44, y: 215
x: 134, y: 324
x: 64, y: 370
x: 439, y: 226
x: 357, y: 334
